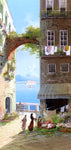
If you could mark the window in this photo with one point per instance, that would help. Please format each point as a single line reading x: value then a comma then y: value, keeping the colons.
x: 49, y: 4
x: 50, y: 38
x: 62, y: 5
x: 65, y: 67
x: 51, y: 68
x: 1, y: 39
x: 8, y: 67
x: 9, y: 28
x: 25, y: 107
x: 2, y: 11
x: 32, y: 107
x: 63, y: 37
x: 6, y: 19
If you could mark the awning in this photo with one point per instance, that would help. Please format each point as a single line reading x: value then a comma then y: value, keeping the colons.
x: 55, y: 91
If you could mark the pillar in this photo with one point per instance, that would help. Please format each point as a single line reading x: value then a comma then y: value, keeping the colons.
x: 69, y: 108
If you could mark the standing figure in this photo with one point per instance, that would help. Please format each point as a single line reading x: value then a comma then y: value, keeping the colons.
x: 24, y: 120
x: 39, y: 122
x: 30, y: 127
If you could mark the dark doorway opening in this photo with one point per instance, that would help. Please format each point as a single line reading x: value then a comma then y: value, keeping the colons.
x: 52, y: 104
x: 7, y: 104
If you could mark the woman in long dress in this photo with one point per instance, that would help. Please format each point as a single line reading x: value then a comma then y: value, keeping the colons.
x: 24, y: 120
x: 30, y: 127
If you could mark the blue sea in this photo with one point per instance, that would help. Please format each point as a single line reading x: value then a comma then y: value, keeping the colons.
x: 27, y: 94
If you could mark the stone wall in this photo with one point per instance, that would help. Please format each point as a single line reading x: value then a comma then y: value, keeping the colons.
x: 55, y: 24
x: 2, y: 94
x: 15, y: 42
x: 42, y: 5
x: 56, y: 4
x: 45, y: 112
x: 58, y: 76
x: 54, y: 78
x: 7, y: 89
x: 69, y: 108
x: 69, y: 4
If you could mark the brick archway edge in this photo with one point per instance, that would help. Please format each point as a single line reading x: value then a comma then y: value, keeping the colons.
x: 12, y: 44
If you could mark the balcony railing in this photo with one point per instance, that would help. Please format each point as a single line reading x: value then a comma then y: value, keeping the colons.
x: 27, y: 107
x: 55, y: 14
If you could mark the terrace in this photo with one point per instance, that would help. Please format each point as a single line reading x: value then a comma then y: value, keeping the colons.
x: 55, y: 14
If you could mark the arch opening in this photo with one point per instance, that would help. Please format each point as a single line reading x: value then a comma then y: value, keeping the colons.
x: 27, y: 79
x: 12, y: 44
x: 8, y: 104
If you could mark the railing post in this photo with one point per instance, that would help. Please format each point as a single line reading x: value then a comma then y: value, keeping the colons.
x: 28, y: 107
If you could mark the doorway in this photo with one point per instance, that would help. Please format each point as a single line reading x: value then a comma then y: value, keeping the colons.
x: 52, y: 104
x: 8, y: 105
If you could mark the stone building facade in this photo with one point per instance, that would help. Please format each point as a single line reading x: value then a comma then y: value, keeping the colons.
x: 55, y: 60
x: 7, y: 66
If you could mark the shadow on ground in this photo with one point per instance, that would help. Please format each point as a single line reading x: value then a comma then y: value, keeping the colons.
x: 35, y: 141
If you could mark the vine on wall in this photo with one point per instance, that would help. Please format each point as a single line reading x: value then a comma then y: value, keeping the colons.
x: 9, y: 74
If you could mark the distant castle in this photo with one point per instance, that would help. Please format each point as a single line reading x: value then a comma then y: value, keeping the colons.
x: 30, y: 82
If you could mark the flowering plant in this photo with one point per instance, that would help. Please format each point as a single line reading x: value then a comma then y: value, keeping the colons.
x: 8, y: 76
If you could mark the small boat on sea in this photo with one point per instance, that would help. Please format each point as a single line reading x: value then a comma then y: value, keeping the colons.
x: 31, y: 83
x: 30, y: 86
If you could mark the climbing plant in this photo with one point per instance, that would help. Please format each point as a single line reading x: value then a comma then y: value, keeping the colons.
x: 12, y: 35
x: 31, y: 33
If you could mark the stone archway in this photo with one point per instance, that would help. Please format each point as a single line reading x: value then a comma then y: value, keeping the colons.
x: 12, y: 44
x: 8, y: 104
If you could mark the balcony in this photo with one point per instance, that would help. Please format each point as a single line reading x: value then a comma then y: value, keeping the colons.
x: 55, y: 14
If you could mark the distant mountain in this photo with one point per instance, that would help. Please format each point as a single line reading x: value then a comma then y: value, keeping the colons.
x: 20, y: 78
x: 25, y: 78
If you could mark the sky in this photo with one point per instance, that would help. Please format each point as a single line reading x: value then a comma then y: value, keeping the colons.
x: 24, y: 14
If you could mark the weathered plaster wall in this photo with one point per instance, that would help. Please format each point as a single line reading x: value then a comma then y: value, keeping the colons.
x: 46, y: 113
x: 7, y: 89
x: 55, y: 24
x: 58, y: 76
